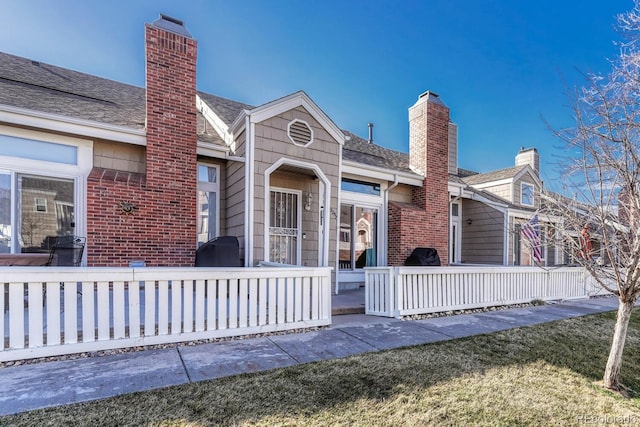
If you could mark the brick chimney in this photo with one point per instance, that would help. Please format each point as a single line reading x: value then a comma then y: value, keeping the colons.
x: 171, y: 160
x: 429, y: 156
x: 159, y: 229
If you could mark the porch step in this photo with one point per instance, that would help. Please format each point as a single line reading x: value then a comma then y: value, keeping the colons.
x: 348, y: 302
x: 338, y: 311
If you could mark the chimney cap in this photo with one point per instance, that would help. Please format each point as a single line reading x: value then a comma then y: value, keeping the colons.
x: 430, y: 96
x: 173, y: 25
x: 523, y: 149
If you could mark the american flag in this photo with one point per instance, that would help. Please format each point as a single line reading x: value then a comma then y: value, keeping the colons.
x: 531, y: 231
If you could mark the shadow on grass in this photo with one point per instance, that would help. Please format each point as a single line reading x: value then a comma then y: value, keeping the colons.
x: 310, y: 392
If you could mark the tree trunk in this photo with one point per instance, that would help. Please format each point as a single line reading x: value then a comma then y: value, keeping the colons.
x: 614, y: 363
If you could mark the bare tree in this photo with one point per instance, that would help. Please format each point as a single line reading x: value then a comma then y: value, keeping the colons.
x: 603, y: 170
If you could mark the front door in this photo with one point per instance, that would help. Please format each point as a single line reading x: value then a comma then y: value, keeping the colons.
x: 284, y: 227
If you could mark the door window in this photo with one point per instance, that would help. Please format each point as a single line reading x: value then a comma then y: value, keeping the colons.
x: 358, y: 237
x: 284, y: 227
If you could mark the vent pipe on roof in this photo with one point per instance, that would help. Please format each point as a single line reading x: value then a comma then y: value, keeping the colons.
x: 370, y: 133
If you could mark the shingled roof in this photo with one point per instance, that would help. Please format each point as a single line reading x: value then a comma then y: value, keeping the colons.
x: 226, y: 109
x: 359, y: 150
x: 37, y: 86
x: 497, y: 175
x: 42, y: 87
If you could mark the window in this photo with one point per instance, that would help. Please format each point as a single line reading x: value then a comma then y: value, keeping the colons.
x: 41, y: 180
x: 5, y: 213
x: 208, y: 192
x: 362, y: 251
x: 38, y: 225
x: 360, y: 187
x: 526, y: 194
x: 12, y: 146
x: 41, y: 204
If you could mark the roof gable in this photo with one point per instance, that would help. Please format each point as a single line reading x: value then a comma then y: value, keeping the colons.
x: 289, y: 102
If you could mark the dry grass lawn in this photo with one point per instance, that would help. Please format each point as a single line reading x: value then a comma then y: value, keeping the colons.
x: 542, y: 375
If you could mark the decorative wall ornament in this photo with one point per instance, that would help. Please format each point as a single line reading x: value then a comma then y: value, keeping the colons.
x: 127, y: 207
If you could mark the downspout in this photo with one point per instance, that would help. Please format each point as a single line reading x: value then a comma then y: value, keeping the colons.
x: 505, y: 255
x: 248, y: 202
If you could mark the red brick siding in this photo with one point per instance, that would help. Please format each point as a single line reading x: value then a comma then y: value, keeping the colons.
x: 162, y: 231
x: 405, y: 231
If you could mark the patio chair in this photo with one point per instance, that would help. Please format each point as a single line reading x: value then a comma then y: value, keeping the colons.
x: 67, y: 251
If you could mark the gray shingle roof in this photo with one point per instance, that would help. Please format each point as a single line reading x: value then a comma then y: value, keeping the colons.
x: 359, y: 150
x: 481, y: 178
x: 46, y: 88
x: 226, y: 109
x: 41, y: 87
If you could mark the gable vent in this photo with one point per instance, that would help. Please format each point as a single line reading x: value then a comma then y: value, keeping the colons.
x: 300, y: 133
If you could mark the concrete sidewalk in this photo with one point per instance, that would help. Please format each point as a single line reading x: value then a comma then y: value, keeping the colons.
x: 46, y: 384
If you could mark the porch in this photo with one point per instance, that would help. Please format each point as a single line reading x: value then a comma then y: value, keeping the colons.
x: 406, y: 291
x: 59, y: 310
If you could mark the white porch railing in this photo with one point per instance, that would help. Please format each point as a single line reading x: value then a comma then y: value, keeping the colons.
x: 403, y: 291
x: 58, y: 310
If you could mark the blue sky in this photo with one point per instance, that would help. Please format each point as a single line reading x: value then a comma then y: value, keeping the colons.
x: 500, y: 65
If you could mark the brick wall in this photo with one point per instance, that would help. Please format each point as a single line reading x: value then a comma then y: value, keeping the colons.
x: 162, y: 230
x: 405, y: 231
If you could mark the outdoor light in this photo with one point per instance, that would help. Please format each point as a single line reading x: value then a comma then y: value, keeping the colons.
x: 469, y: 221
x: 308, y: 200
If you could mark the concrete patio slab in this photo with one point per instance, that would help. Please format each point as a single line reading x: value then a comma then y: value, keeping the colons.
x: 572, y: 310
x: 222, y: 359
x: 315, y: 346
x: 603, y: 304
x: 463, y: 325
x: 385, y: 336
x: 41, y: 385
x: 515, y: 317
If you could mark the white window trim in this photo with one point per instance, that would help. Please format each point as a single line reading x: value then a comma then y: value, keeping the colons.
x: 78, y: 173
x: 533, y: 190
x: 210, y: 187
x: 36, y: 204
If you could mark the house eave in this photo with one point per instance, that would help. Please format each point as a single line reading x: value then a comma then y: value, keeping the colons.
x: 354, y: 168
x: 59, y: 123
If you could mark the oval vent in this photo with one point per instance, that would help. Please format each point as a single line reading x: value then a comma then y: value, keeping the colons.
x: 300, y: 133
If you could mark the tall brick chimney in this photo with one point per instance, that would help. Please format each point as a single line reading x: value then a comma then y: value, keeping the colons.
x: 172, y: 136
x: 429, y: 155
x: 151, y: 217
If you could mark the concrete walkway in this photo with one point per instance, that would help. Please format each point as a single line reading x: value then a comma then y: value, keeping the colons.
x: 47, y: 384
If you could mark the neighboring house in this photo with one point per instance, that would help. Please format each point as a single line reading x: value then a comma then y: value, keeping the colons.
x: 148, y: 174
x: 493, y: 207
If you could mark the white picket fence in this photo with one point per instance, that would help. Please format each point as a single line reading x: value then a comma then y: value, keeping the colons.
x: 404, y: 291
x: 58, y: 310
